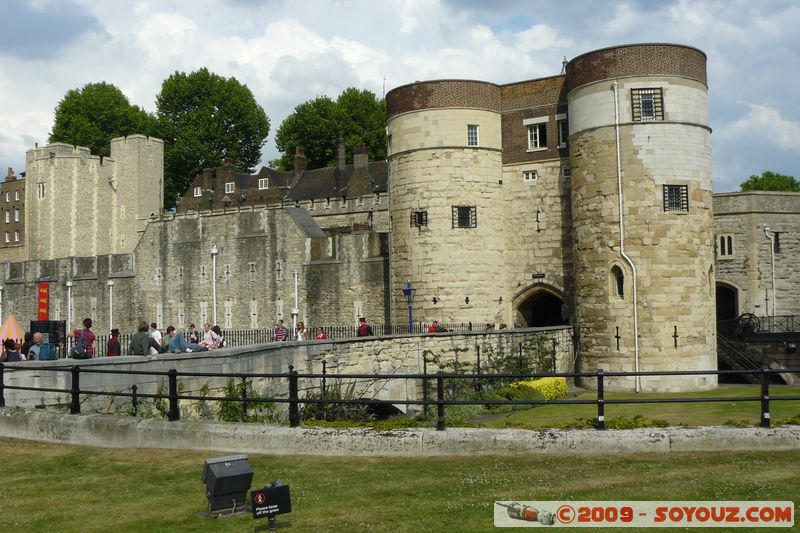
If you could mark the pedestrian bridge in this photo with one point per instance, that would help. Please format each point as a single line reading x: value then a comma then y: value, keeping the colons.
x: 381, y: 356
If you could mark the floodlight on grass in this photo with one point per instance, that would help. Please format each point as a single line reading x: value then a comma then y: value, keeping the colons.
x: 227, y: 481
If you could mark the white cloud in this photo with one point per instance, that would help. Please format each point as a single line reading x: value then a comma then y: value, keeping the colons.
x: 768, y: 125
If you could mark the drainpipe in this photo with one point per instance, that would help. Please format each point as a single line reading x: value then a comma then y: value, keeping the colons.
x: 772, y: 257
x: 622, y: 253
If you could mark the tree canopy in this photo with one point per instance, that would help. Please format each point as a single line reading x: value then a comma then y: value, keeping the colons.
x: 315, y: 125
x: 95, y: 114
x: 203, y: 119
x: 770, y: 181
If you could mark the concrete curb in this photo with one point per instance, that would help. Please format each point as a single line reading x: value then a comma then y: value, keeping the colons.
x: 126, y: 432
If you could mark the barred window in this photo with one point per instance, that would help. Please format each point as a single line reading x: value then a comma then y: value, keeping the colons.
x: 647, y: 104
x: 419, y: 219
x: 676, y: 198
x: 198, y: 192
x: 465, y: 216
x: 472, y: 135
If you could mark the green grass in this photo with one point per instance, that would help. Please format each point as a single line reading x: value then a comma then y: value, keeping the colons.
x: 56, y: 487
x: 686, y: 414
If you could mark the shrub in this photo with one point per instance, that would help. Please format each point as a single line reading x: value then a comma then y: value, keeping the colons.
x: 550, y: 388
x: 259, y: 407
x: 331, y: 412
x: 792, y: 420
x: 620, y: 422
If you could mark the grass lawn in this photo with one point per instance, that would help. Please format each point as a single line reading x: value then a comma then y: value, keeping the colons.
x: 687, y: 414
x: 53, y: 488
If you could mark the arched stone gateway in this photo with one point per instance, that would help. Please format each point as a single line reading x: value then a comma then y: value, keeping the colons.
x: 540, y: 306
x: 727, y: 301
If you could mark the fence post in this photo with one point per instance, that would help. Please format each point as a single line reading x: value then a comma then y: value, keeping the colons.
x: 75, y: 405
x: 765, y: 419
x: 294, y: 411
x: 174, y: 412
x: 134, y: 400
x: 2, y: 387
x: 601, y: 405
x: 244, y: 399
x: 425, y: 385
x: 439, y: 401
x: 478, y: 356
x: 324, y: 377
x: 519, y: 368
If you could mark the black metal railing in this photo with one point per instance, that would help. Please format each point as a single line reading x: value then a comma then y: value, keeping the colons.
x: 294, y: 400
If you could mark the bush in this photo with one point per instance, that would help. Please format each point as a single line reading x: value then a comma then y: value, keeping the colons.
x: 620, y: 422
x: 382, y: 425
x: 792, y: 420
x: 255, y: 411
x: 549, y: 388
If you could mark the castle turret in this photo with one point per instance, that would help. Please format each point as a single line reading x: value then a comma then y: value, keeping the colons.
x: 640, y: 157
x: 445, y: 179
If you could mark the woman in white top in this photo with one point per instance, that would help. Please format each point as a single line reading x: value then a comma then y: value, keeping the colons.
x: 300, y: 333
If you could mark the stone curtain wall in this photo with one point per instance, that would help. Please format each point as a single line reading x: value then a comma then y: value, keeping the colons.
x: 742, y: 215
x: 378, y: 355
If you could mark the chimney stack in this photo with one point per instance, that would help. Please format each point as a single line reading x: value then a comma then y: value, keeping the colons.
x: 299, y: 160
x: 360, y: 157
x: 10, y: 176
x: 340, y: 152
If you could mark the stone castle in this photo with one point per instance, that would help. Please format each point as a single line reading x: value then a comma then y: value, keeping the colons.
x: 583, y: 198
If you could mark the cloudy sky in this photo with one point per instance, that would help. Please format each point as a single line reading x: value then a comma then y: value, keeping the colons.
x: 290, y: 51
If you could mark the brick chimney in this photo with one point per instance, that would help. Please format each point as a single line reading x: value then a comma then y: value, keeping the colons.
x: 299, y: 160
x: 10, y: 176
x: 360, y: 157
x: 340, y: 152
x: 228, y: 162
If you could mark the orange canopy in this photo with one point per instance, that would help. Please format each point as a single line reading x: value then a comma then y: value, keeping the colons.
x: 11, y: 330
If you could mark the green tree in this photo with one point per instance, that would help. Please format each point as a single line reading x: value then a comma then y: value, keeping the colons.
x: 770, y: 181
x: 203, y: 119
x: 315, y: 125
x: 95, y: 114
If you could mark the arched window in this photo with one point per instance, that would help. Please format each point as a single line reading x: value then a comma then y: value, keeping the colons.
x: 617, y: 281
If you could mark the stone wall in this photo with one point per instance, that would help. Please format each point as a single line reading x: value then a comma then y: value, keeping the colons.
x: 79, y: 204
x: 376, y: 355
x: 748, y: 269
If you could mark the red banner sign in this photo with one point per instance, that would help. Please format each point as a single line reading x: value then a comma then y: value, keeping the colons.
x: 43, y: 301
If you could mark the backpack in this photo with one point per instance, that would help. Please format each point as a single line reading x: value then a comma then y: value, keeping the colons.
x: 78, y: 350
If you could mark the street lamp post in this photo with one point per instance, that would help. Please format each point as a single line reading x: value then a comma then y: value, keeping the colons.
x: 408, y: 292
x: 110, y: 304
x: 295, y: 310
x: 214, y: 252
x: 69, y: 304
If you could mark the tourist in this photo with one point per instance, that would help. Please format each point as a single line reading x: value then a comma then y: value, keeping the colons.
x: 26, y: 346
x: 210, y: 338
x: 140, y: 343
x: 300, y: 333
x: 10, y: 353
x: 436, y: 328
x: 281, y: 334
x: 177, y: 341
x: 32, y: 352
x: 156, y: 335
x: 87, y: 336
x: 364, y: 329
x: 113, y: 348
x: 220, y: 338
x: 321, y: 335
x: 194, y: 335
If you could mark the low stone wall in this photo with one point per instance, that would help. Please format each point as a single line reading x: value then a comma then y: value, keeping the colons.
x: 374, y: 355
x: 128, y: 432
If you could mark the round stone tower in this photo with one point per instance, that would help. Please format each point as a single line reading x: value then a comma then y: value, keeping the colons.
x: 445, y: 180
x: 640, y: 154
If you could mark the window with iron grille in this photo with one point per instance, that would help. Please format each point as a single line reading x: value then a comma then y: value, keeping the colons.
x: 465, y: 216
x: 676, y: 198
x: 419, y: 219
x: 472, y: 135
x: 647, y: 104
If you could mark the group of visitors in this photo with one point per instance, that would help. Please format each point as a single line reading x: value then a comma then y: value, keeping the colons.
x: 148, y: 340
x: 32, y: 349
x: 300, y: 333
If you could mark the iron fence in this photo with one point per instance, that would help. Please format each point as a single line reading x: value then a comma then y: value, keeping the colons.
x: 440, y: 379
